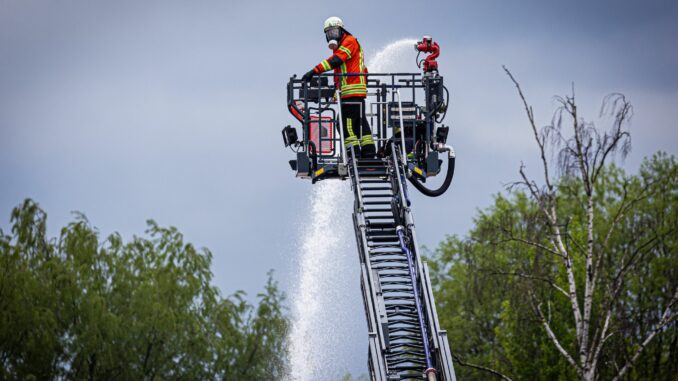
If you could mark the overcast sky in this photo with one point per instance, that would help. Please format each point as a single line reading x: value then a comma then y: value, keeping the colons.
x: 172, y: 110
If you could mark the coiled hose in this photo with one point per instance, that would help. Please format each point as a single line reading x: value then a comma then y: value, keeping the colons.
x: 443, y: 188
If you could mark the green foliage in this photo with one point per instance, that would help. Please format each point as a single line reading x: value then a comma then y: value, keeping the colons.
x: 483, y: 282
x: 78, y: 307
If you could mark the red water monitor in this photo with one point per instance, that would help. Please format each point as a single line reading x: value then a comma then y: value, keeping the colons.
x: 426, y: 45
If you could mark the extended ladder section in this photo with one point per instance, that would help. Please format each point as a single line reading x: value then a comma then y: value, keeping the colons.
x: 405, y: 339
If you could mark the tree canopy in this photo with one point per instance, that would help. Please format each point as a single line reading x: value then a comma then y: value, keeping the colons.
x: 485, y: 282
x: 575, y: 275
x: 78, y: 307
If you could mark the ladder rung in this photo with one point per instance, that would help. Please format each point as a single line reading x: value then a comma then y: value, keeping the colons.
x: 374, y: 225
x: 366, y: 160
x: 372, y: 170
x: 383, y: 239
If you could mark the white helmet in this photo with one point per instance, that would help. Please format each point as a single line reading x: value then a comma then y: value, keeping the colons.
x: 333, y: 21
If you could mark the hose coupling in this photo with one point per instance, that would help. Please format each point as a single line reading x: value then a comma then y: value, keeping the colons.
x: 430, y: 374
x: 440, y: 147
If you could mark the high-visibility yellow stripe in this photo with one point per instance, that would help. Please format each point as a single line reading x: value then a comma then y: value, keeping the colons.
x: 326, y: 65
x: 347, y: 96
x: 345, y: 50
x: 367, y: 139
x: 351, y: 142
x: 352, y: 92
x: 344, y: 79
x: 354, y: 86
x: 349, y: 127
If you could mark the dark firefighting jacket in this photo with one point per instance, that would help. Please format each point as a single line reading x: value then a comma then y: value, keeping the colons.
x: 348, y: 57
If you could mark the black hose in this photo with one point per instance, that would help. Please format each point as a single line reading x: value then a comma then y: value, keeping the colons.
x: 313, y: 153
x: 447, y: 105
x: 443, y: 188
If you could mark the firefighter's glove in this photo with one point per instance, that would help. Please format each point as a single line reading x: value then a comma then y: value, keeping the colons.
x: 307, y: 77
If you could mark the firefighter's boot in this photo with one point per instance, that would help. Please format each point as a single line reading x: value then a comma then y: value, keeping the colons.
x: 368, y: 151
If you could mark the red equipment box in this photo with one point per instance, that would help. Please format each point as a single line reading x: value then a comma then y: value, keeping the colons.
x: 323, y: 129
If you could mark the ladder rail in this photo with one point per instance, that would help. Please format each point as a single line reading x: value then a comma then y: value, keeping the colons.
x: 371, y: 304
x: 341, y: 129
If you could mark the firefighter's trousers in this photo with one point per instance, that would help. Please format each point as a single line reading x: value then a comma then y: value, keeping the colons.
x: 357, y: 132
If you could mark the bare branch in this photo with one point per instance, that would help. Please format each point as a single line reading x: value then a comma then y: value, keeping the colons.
x: 461, y: 362
x: 530, y: 117
x: 581, y: 140
x: 624, y: 207
x: 537, y: 245
x: 611, y: 142
x: 619, y: 214
x: 552, y: 335
x: 625, y: 265
x: 599, y: 342
x: 551, y: 282
x: 534, y: 191
x: 578, y: 245
x: 667, y: 318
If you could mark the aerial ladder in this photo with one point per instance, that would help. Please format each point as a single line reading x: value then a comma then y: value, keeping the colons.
x: 405, y: 340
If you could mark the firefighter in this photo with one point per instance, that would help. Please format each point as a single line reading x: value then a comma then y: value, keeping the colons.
x: 348, y: 57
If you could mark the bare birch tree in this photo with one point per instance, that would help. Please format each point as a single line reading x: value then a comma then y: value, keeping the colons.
x: 574, y: 149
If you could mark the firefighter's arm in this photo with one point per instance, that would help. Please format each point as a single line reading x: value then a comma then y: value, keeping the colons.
x: 328, y: 64
x: 343, y: 53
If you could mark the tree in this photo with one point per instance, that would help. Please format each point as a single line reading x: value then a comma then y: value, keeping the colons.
x: 574, y: 276
x: 75, y: 307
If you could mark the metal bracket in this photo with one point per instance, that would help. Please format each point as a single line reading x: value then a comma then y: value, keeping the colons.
x: 342, y: 169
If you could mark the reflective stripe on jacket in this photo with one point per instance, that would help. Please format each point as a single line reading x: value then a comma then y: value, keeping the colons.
x: 348, y: 57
